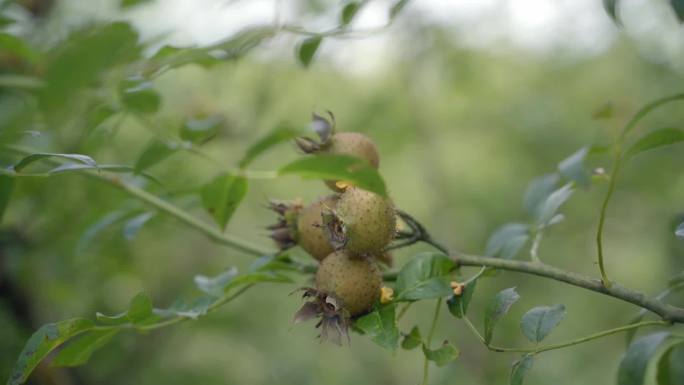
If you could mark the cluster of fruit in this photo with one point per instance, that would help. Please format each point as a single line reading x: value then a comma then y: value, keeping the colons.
x: 346, y: 232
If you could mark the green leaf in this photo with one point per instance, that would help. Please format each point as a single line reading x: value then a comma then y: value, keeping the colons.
x: 671, y: 366
x: 256, y: 277
x: 412, y: 340
x: 140, y: 308
x: 458, y: 305
x: 79, y: 352
x: 537, y: 191
x: 349, y: 11
x: 520, y: 369
x: 133, y: 3
x: 216, y: 285
x: 655, y: 139
x: 42, y: 342
x: 572, y: 167
x: 443, y: 355
x: 279, y: 135
x: 553, y: 203
x: 537, y: 323
x: 678, y: 8
x: 43, y: 155
x: 611, y: 9
x: 679, y: 232
x: 199, y: 131
x: 155, y: 152
x: 96, y: 228
x: 381, y: 326
x: 338, y: 167
x: 507, y: 240
x: 603, y: 112
x: 6, y: 187
x: 307, y: 49
x: 222, y: 196
x: 396, y: 8
x: 632, y: 370
x: 424, y: 276
x: 16, y: 49
x: 133, y: 225
x: 139, y: 96
x: 497, y: 309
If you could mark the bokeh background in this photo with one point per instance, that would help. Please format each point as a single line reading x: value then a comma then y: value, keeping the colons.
x: 467, y: 100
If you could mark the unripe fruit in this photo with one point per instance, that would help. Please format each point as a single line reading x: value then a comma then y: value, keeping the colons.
x: 352, y: 144
x: 353, y: 281
x: 364, y: 223
x: 310, y: 233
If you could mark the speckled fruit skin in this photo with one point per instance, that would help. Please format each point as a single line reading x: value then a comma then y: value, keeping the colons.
x: 354, y: 281
x: 368, y: 221
x: 354, y: 144
x: 311, y: 236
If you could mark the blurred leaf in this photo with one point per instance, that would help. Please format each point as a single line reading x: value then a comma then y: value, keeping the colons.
x: 425, y: 276
x: 381, y: 326
x: 572, y: 167
x: 279, y: 135
x: 458, y: 305
x: 520, y: 369
x: 307, y: 49
x: 537, y: 323
x: 201, y: 130
x: 6, y: 187
x: 611, y: 8
x: 507, y: 240
x: 338, y: 167
x: 396, y: 8
x: 17, y: 48
x: 603, y: 112
x: 412, y: 340
x: 42, y: 155
x: 98, y: 115
x: 497, y: 309
x: 132, y: 226
x: 256, y: 277
x: 443, y: 355
x: 96, y: 228
x: 349, y: 11
x: 133, y: 3
x: 42, y: 342
x: 222, y: 196
x: 79, y: 352
x: 678, y: 8
x: 216, y: 285
x: 671, y: 366
x: 272, y: 263
x: 154, y: 152
x: 20, y: 81
x: 140, y: 308
x: 537, y: 191
x: 655, y: 139
x: 632, y: 370
x: 680, y: 230
x: 139, y: 96
x: 553, y: 203
x: 193, y: 309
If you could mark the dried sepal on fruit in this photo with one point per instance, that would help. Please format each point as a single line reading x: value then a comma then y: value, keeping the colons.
x: 334, y: 321
x: 284, y: 231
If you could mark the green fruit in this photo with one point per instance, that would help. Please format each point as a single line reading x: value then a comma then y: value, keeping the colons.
x: 355, y: 282
x: 352, y: 144
x: 364, y: 223
x: 310, y: 233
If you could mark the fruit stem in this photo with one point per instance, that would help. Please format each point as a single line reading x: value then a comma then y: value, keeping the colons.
x: 428, y: 341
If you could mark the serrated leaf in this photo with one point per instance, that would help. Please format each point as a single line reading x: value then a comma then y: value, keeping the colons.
x: 520, y: 369
x: 499, y: 306
x: 200, y: 130
x: 671, y: 366
x: 442, y: 355
x: 380, y: 325
x: 349, y: 11
x: 79, y: 352
x: 632, y: 370
x: 222, y: 196
x: 611, y: 9
x: 678, y: 8
x: 42, y: 342
x: 458, y: 305
x: 655, y: 139
x: 396, y: 8
x: 307, y: 49
x: 216, y: 285
x: 572, y: 167
x: 155, y: 152
x: 279, y: 135
x: 412, y: 340
x: 680, y: 230
x: 553, y: 203
x: 507, y: 240
x: 538, y: 322
x: 133, y: 225
x: 43, y: 155
x: 139, y: 96
x: 537, y: 191
x: 424, y: 276
x: 338, y: 167
x: 6, y: 187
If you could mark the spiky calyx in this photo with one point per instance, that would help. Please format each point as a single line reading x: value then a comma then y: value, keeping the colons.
x: 310, y: 233
x: 284, y: 231
x: 363, y: 223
